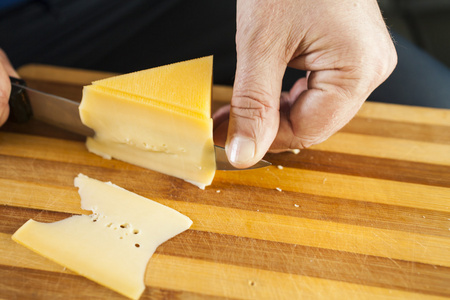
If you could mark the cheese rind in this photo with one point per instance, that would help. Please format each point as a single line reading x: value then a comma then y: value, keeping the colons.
x: 183, y: 84
x: 158, y: 119
x: 111, y: 246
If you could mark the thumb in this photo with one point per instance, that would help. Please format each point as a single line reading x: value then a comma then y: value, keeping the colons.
x: 254, y: 111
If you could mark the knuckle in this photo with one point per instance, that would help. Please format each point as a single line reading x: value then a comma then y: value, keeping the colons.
x: 385, y: 61
x: 303, y: 142
x: 252, y: 104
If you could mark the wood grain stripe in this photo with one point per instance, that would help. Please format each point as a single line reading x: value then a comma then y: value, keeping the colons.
x: 400, y: 130
x: 251, y: 283
x: 346, y: 187
x: 405, y: 113
x: 49, y: 285
x: 314, y: 233
x: 386, y: 147
x: 286, y: 229
x: 210, y: 278
x: 64, y: 75
x: 365, y: 214
x: 364, y: 166
x: 14, y: 217
x: 252, y: 198
x: 382, y: 111
x: 341, y: 142
x: 311, y: 262
x: 285, y: 258
x: 294, y: 180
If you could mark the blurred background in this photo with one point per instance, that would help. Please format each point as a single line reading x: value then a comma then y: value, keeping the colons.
x: 426, y: 23
x: 124, y: 36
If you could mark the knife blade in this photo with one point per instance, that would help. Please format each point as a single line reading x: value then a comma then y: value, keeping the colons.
x: 26, y: 102
x: 48, y: 108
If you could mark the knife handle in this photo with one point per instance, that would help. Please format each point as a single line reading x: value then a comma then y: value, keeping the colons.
x: 19, y: 104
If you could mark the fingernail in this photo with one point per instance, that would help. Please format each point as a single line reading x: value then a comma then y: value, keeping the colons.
x: 241, y: 149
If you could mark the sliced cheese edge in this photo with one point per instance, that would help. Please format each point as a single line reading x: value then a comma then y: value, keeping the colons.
x: 157, y: 118
x: 113, y: 245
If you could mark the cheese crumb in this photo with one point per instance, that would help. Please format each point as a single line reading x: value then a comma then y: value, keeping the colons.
x: 280, y: 167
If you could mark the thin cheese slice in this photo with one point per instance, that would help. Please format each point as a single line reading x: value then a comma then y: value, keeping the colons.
x: 111, y: 246
x: 158, y: 119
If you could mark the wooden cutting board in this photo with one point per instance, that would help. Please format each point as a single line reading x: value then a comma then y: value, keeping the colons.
x: 365, y: 214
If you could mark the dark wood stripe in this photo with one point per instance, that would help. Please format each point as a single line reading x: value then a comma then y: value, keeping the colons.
x: 72, y: 91
x: 50, y: 285
x: 14, y: 217
x: 288, y: 258
x: 37, y: 128
x: 250, y: 198
x: 401, y: 130
x: 364, y: 166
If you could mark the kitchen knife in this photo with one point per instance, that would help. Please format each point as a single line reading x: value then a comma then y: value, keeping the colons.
x: 26, y: 102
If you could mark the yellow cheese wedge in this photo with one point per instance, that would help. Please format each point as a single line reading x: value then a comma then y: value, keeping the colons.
x: 158, y: 119
x: 112, y: 245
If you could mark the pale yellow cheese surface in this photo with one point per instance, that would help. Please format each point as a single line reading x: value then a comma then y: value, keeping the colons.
x: 157, y: 118
x: 112, y: 245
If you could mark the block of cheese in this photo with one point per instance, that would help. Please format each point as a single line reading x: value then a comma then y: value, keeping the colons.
x: 157, y: 118
x: 111, y: 246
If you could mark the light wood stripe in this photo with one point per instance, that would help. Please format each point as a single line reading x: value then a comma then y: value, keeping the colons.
x: 45, y: 148
x: 341, y: 142
x: 311, y: 206
x: 404, y: 113
x: 346, y: 187
x: 50, y: 149
x: 384, y: 147
x: 248, y: 283
x: 40, y: 196
x: 211, y: 278
x: 408, y: 131
x: 313, y: 233
x: 61, y: 75
x: 294, y: 180
x: 306, y: 261
x: 13, y: 254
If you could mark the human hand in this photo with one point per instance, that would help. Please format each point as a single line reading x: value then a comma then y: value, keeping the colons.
x: 346, y: 49
x: 6, y: 70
